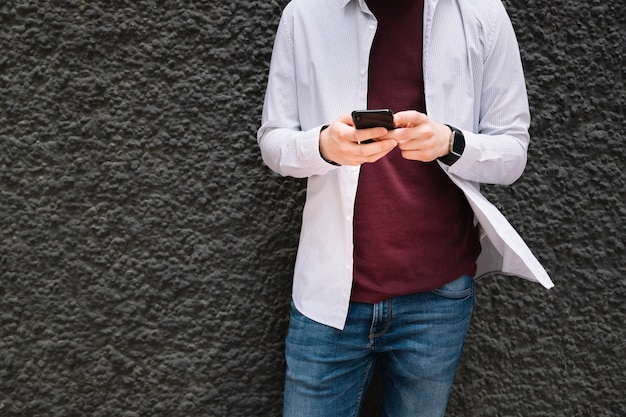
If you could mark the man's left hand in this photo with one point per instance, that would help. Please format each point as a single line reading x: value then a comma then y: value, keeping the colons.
x: 419, y: 138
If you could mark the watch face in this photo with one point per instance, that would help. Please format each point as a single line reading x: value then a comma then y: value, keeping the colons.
x: 458, y: 142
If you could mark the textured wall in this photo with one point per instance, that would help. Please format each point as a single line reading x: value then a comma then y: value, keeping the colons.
x: 146, y: 252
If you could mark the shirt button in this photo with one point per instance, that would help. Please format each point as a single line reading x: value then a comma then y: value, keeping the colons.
x: 372, y: 27
x: 363, y: 73
x: 348, y: 218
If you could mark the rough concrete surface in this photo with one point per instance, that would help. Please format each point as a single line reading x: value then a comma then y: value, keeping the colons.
x: 146, y: 252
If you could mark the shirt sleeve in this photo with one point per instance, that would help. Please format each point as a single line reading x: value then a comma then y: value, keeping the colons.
x: 497, y: 153
x: 285, y: 148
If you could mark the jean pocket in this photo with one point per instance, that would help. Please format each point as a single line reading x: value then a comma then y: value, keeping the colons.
x: 459, y: 288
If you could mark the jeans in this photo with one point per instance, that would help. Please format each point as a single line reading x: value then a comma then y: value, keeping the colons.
x: 415, y: 340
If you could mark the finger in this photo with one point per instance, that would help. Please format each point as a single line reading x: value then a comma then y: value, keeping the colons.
x: 362, y: 135
x: 409, y: 118
x: 346, y: 118
x: 421, y: 134
x: 375, y: 150
x: 387, y: 146
x: 419, y: 155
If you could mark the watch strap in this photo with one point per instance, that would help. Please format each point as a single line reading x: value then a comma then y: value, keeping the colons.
x: 457, y: 146
x: 327, y: 160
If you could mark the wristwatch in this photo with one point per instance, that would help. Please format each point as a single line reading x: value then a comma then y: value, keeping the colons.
x: 327, y: 160
x: 457, y: 146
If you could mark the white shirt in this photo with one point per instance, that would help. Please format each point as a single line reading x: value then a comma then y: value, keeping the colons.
x: 473, y: 80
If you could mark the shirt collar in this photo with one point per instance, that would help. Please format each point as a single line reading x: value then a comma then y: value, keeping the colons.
x: 362, y: 3
x: 345, y: 2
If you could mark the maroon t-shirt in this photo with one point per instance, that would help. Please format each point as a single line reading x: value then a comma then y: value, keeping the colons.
x: 413, y: 228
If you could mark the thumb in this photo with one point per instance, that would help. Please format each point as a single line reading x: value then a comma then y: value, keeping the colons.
x: 409, y: 118
x: 345, y: 118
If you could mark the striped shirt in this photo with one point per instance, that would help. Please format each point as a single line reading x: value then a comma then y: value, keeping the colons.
x: 473, y: 80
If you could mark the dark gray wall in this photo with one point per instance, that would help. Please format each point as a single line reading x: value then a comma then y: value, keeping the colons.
x: 146, y: 252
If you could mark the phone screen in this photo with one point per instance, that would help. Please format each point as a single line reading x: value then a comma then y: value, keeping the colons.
x: 364, y: 119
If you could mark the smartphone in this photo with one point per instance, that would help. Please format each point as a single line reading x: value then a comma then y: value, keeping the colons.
x: 364, y: 119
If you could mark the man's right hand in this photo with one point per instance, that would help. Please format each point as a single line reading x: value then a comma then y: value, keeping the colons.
x: 342, y: 143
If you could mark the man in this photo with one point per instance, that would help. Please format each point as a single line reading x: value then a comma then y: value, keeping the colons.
x: 393, y: 230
